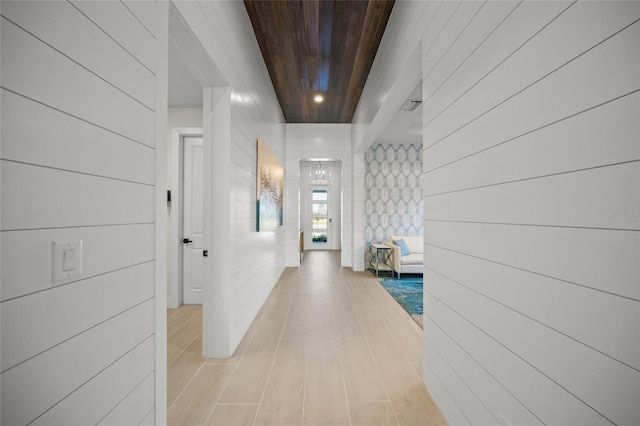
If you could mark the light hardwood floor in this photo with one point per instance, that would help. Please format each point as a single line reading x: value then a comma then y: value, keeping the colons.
x: 329, y: 347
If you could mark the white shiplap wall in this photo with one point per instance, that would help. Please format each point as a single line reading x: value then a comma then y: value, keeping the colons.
x: 225, y: 32
x: 78, y: 163
x: 313, y: 141
x: 531, y: 191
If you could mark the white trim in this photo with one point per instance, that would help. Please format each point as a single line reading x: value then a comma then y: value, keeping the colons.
x: 0, y: 253
x: 218, y: 214
x: 162, y: 98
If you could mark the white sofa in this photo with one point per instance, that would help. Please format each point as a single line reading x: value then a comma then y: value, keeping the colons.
x: 412, y: 263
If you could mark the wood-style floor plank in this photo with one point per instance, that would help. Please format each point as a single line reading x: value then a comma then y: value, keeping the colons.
x: 247, y: 383
x: 325, y: 401
x: 179, y: 317
x: 410, y: 400
x: 329, y: 347
x: 177, y: 342
x: 233, y: 415
x: 372, y: 413
x: 283, y: 396
x: 182, y: 369
x: 195, y: 403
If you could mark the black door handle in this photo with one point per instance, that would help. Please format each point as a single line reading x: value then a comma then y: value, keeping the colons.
x: 187, y: 241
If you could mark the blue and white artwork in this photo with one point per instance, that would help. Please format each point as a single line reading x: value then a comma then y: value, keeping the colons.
x: 270, y: 190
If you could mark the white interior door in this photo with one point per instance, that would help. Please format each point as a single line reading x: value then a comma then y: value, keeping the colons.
x: 192, y: 229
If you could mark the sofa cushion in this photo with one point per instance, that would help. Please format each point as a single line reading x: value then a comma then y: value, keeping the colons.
x: 412, y: 259
x: 414, y: 243
x: 404, y: 250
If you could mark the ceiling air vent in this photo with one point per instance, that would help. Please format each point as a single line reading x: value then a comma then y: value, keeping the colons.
x: 411, y: 105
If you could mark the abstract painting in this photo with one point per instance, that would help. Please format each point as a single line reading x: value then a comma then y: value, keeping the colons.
x: 270, y: 188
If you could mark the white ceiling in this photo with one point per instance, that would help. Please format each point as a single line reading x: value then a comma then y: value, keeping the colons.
x: 406, y: 126
x: 184, y: 89
x: 190, y: 68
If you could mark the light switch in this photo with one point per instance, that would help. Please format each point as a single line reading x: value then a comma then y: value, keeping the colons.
x: 67, y: 260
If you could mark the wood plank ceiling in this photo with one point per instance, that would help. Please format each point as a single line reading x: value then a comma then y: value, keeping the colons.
x: 318, y: 47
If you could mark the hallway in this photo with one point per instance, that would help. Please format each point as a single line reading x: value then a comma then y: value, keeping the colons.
x: 329, y: 347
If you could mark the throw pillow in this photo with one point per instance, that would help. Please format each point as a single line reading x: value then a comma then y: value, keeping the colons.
x: 404, y: 250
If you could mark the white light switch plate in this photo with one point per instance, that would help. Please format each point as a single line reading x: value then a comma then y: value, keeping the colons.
x: 67, y: 260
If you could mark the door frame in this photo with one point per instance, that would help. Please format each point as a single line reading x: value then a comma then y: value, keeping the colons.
x: 178, y: 134
x: 310, y: 245
x: 336, y: 203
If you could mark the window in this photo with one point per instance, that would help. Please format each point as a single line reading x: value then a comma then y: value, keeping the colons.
x: 319, y: 216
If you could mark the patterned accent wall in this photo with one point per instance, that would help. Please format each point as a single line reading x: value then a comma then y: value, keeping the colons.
x: 393, y: 191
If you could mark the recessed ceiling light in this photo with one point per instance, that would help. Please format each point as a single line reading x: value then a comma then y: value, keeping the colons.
x: 318, y: 98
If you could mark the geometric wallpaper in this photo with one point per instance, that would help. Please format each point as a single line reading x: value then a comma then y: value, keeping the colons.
x: 393, y: 192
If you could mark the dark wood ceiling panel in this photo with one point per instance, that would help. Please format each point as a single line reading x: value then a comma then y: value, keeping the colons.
x: 316, y: 47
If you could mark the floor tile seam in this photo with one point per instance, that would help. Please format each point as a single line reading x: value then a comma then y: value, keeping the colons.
x: 417, y: 375
x: 237, y: 364
x: 197, y: 336
x: 377, y: 309
x: 340, y: 357
x: 226, y: 386
x: 187, y: 316
x: 344, y: 387
x: 207, y: 362
x: 182, y: 349
x: 181, y: 352
x: 273, y: 360
x: 185, y: 386
x: 304, y: 385
x: 420, y: 379
x: 237, y: 403
x: 371, y: 352
x: 384, y: 384
x: 399, y: 348
x: 183, y: 325
x: 398, y: 345
x: 393, y: 334
x: 198, y: 311
x: 221, y: 392
x: 253, y: 335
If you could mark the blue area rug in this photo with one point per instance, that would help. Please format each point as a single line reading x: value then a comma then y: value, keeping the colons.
x: 408, y: 293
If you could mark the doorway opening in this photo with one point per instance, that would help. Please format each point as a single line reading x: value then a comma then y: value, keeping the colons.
x: 320, y: 218
x: 184, y: 191
x: 199, y: 108
x: 320, y: 206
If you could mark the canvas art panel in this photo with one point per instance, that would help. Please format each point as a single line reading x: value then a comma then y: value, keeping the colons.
x: 270, y: 189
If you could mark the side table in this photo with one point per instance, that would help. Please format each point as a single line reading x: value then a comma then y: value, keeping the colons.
x: 381, y: 258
